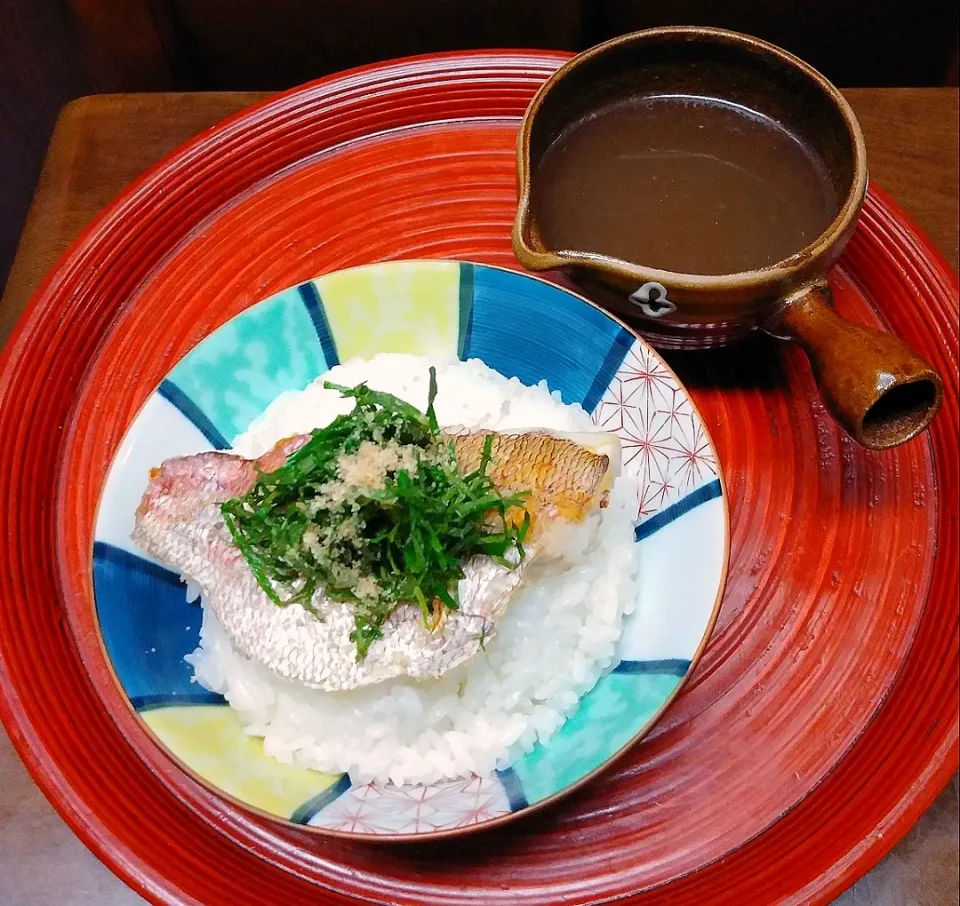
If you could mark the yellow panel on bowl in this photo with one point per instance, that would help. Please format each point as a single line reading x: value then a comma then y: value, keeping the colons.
x: 210, y: 741
x: 411, y: 307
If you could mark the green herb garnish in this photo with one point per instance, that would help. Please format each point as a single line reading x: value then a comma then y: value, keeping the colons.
x: 373, y: 510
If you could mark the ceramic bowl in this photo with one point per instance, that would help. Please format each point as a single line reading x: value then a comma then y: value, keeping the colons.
x: 519, y: 325
x: 879, y: 388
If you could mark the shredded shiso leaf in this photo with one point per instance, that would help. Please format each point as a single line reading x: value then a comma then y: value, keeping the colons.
x: 397, y: 534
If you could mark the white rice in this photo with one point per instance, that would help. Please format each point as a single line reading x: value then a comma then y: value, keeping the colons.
x: 557, y: 638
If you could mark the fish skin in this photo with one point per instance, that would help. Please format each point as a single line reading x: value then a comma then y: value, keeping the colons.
x: 563, y: 479
x: 180, y: 523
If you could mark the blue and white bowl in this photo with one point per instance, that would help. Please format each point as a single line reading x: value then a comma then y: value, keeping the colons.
x: 520, y: 326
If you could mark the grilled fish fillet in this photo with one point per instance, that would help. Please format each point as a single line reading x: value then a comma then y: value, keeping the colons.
x: 179, y: 522
x: 565, y: 479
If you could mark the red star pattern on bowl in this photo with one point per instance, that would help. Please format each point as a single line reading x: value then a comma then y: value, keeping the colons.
x: 384, y: 809
x: 663, y: 439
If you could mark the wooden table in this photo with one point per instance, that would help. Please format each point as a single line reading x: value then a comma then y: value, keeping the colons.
x: 101, y: 143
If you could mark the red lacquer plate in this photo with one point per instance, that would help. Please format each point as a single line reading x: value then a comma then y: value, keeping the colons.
x: 822, y: 719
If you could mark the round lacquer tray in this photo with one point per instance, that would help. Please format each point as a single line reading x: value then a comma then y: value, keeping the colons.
x: 822, y: 718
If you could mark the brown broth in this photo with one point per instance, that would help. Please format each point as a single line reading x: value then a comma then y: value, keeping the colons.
x: 690, y: 185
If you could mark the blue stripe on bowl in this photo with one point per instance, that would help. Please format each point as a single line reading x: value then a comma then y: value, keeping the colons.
x: 513, y: 788
x: 608, y: 368
x: 151, y: 702
x: 710, y: 491
x: 312, y: 807
x: 669, y: 666
x: 314, y: 305
x: 193, y: 413
x: 466, y: 309
x: 146, y: 623
x: 535, y: 331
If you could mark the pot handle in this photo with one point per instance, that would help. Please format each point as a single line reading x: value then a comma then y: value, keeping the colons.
x: 880, y: 390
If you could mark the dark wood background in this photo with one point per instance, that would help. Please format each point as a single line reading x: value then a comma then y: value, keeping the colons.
x: 52, y: 51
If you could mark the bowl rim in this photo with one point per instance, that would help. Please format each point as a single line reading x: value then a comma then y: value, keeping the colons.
x: 831, y: 239
x: 105, y: 667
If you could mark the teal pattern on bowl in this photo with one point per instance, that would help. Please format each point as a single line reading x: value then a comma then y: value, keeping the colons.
x: 519, y: 325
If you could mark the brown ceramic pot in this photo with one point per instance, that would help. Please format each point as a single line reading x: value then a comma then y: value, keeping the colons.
x: 879, y: 389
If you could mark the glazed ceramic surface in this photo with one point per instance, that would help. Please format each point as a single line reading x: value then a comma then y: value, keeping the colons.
x: 877, y: 386
x: 819, y: 724
x: 518, y: 325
